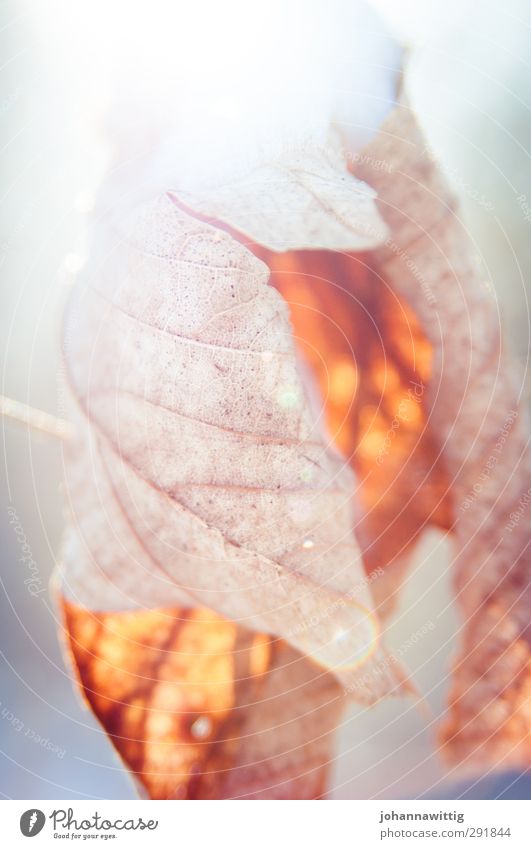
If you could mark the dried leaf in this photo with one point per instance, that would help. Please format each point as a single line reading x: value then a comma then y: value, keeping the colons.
x: 373, y: 364
x: 430, y: 262
x: 201, y: 709
x: 200, y: 478
x: 408, y: 327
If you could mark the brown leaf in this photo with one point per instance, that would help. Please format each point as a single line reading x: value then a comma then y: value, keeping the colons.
x: 429, y: 261
x: 198, y: 476
x: 409, y: 328
x: 200, y: 709
x: 373, y: 364
x: 372, y: 361
x: 201, y: 475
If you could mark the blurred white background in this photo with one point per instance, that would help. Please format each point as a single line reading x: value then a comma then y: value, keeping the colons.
x: 469, y: 77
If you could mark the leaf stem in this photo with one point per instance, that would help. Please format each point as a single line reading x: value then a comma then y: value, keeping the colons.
x: 35, y: 419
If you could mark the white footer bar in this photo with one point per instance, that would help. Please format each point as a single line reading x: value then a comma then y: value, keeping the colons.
x: 268, y: 824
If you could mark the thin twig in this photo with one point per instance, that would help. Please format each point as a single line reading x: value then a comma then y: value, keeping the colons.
x: 35, y: 419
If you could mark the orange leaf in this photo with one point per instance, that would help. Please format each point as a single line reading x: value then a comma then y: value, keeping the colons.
x: 373, y: 363
x: 200, y: 709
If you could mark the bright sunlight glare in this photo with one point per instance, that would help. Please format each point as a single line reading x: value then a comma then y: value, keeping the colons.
x: 214, y: 86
